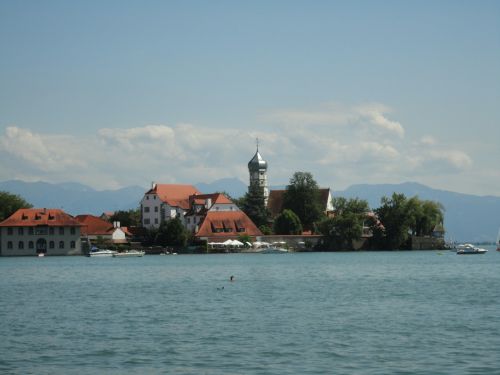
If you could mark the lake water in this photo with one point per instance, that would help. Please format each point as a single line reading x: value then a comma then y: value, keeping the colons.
x: 306, y: 313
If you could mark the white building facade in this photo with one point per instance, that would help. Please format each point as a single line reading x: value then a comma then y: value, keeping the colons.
x: 40, y: 231
x: 164, y: 202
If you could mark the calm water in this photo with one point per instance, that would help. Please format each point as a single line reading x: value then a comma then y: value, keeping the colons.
x: 319, y: 313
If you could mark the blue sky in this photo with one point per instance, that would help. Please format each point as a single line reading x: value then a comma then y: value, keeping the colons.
x: 116, y: 93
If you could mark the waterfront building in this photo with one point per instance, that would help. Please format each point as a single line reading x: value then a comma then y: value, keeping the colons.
x: 164, y: 202
x: 201, y: 204
x: 215, y: 216
x: 257, y: 168
x: 94, y: 228
x: 219, y: 225
x: 32, y: 231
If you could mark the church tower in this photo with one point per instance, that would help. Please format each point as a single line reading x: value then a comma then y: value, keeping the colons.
x: 257, y: 167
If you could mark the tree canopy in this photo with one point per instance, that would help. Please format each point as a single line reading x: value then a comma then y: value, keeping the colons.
x: 10, y: 203
x: 253, y: 204
x: 302, y: 196
x: 346, y: 226
x: 287, y: 223
x: 403, y: 217
x: 172, y: 233
x: 130, y: 218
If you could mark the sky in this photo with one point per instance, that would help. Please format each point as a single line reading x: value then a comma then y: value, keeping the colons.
x: 118, y: 93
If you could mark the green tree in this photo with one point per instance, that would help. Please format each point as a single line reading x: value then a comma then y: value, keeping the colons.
x: 172, y: 233
x: 10, y: 203
x: 302, y: 196
x: 431, y: 214
x: 339, y: 232
x: 130, y: 218
x: 402, y: 217
x: 397, y: 214
x: 287, y: 223
x: 253, y: 204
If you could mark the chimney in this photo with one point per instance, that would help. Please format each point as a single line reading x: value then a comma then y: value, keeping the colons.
x: 153, y: 185
x: 116, y: 224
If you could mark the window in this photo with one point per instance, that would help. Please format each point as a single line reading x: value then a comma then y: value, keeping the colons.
x: 146, y: 209
x: 61, y: 244
x: 61, y: 231
x: 20, y: 245
x: 156, y: 209
x: 10, y: 231
x: 72, y: 230
x: 147, y: 197
x: 31, y: 245
x: 72, y: 244
x: 30, y: 231
x: 51, y: 230
x: 154, y: 196
x: 156, y: 221
x: 9, y: 245
x: 146, y: 221
x: 20, y: 231
x: 52, y: 245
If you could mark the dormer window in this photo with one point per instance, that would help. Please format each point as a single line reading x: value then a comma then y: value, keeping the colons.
x: 239, y: 226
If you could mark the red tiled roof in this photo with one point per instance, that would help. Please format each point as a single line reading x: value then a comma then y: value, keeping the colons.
x: 230, y: 220
x: 30, y: 217
x: 275, y: 200
x: 174, y: 195
x: 218, y: 198
x: 93, y: 225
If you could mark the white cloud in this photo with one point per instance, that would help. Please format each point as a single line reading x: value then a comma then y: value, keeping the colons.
x: 365, y: 117
x: 347, y: 145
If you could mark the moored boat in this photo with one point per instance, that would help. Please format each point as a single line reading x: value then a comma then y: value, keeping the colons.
x: 129, y: 253
x: 271, y: 250
x: 498, y: 240
x: 102, y: 253
x: 465, y: 249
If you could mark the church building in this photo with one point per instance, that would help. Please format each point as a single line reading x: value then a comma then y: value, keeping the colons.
x: 257, y: 167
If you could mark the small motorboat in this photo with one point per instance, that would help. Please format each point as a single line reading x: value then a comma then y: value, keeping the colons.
x: 102, y: 253
x: 271, y: 250
x: 129, y: 253
x: 465, y: 249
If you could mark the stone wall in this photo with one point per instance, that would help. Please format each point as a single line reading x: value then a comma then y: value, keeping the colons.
x: 427, y: 243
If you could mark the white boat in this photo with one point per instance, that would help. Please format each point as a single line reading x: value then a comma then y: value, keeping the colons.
x: 271, y: 250
x: 129, y: 253
x: 467, y: 248
x: 102, y: 253
x: 498, y: 240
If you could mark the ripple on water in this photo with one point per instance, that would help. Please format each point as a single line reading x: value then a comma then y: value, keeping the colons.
x: 347, y: 313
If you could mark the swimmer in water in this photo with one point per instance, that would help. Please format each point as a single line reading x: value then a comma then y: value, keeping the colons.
x: 231, y: 278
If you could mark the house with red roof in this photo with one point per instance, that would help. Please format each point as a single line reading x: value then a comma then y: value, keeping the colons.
x: 201, y: 204
x: 221, y: 225
x: 215, y: 216
x: 164, y: 202
x: 32, y: 231
x: 93, y: 228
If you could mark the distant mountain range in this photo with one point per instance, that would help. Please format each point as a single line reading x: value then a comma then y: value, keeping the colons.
x: 467, y: 217
x: 75, y: 198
